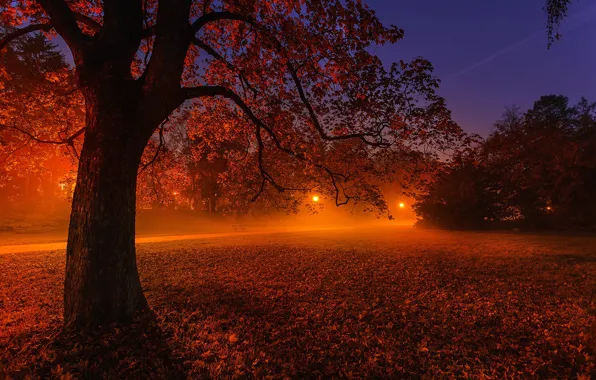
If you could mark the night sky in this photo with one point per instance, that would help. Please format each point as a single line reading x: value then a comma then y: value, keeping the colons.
x: 490, y: 54
x: 493, y: 54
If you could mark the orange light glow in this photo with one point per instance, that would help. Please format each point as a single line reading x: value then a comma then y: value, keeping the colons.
x: 402, y: 205
x: 548, y: 208
x: 175, y: 193
x: 315, y: 198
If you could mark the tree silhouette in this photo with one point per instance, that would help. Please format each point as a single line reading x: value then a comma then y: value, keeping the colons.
x: 536, y: 169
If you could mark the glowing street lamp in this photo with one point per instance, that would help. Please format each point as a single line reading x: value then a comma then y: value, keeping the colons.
x: 402, y: 205
x: 315, y: 198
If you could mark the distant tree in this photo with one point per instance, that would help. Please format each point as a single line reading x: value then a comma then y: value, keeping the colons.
x: 538, y: 162
x: 464, y: 195
x: 37, y: 103
x: 299, y: 71
x: 536, y: 167
x: 579, y: 198
x: 211, y: 163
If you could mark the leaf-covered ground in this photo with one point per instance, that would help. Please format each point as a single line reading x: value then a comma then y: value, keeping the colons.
x: 382, y: 302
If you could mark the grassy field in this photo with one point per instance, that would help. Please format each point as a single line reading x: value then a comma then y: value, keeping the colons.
x: 382, y: 302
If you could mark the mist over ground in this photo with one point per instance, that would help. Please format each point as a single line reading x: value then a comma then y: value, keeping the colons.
x: 52, y: 226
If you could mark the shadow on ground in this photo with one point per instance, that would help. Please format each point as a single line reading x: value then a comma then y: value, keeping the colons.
x: 136, y: 351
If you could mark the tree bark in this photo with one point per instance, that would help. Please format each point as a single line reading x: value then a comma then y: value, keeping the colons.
x: 102, y: 283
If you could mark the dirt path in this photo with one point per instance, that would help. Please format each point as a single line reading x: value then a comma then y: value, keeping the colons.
x: 52, y: 245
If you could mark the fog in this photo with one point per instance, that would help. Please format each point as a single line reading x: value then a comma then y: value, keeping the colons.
x: 51, y: 226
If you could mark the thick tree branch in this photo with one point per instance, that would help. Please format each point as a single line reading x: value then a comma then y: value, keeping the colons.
x: 5, y: 40
x: 166, y: 64
x: 88, y: 21
x: 123, y: 22
x: 46, y: 27
x: 65, y: 23
x: 216, y: 16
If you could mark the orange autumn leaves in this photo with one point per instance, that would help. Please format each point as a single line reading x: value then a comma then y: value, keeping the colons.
x: 304, y: 71
x: 434, y: 303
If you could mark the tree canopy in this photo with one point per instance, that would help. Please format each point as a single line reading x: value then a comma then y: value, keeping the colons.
x: 297, y: 79
x: 536, y: 170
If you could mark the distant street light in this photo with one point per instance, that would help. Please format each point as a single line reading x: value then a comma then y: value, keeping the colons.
x: 315, y: 198
x: 402, y: 205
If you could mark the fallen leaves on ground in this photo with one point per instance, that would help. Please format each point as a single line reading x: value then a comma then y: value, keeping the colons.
x: 377, y: 303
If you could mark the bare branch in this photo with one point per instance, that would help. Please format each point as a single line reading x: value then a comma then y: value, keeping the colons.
x: 159, y: 147
x: 260, y: 191
x: 332, y: 175
x: 315, y: 120
x: 216, y: 16
x: 21, y: 32
x: 206, y: 91
x: 67, y: 141
x: 261, y: 147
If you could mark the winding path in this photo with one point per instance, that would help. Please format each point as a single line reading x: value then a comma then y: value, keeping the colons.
x: 61, y: 245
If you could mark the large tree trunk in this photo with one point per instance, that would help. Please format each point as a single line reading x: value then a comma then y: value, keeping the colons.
x: 102, y: 283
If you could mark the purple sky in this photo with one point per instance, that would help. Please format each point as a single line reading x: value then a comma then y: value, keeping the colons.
x: 490, y: 54
x: 493, y: 54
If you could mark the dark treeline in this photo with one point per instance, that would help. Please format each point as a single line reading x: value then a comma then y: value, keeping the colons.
x: 536, y: 170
